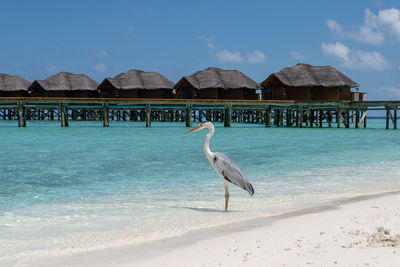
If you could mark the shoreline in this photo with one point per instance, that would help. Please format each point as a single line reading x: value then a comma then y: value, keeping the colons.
x: 124, y: 256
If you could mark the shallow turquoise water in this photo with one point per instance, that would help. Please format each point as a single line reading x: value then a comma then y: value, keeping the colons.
x: 65, y: 190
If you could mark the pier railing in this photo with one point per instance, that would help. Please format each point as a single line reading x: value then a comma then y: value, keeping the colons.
x: 268, y: 112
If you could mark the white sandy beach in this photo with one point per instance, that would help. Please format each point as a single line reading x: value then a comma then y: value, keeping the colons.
x: 365, y: 232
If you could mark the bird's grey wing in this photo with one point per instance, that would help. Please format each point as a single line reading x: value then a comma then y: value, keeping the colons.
x: 228, y: 169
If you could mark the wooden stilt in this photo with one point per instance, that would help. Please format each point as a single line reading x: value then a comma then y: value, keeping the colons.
x: 338, y: 117
x: 288, y: 119
x: 395, y: 118
x: 329, y: 119
x: 357, y: 118
x: 188, y: 114
x: 64, y: 115
x: 105, y: 115
x: 277, y: 117
x: 301, y: 117
x: 387, y: 117
x: 363, y: 119
x: 321, y: 117
x: 269, y: 117
x: 148, y: 115
x: 307, y: 113
x: 228, y: 116
x: 21, y: 115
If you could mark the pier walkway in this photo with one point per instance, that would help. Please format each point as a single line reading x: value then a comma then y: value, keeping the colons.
x: 268, y: 112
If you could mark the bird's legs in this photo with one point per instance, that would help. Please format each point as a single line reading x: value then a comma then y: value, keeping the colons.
x: 226, y: 195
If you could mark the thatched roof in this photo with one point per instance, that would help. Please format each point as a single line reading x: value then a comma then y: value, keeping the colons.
x: 307, y: 75
x: 217, y: 78
x: 13, y: 83
x: 66, y: 81
x: 138, y: 79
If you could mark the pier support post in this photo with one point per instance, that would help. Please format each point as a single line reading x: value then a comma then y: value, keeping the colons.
x: 268, y: 118
x: 330, y: 119
x: 188, y: 115
x: 387, y: 117
x: 148, y: 115
x: 347, y: 119
x: 321, y: 117
x: 277, y: 117
x: 288, y: 119
x: 228, y: 116
x: 308, y: 114
x: 395, y: 118
x: 208, y: 115
x: 365, y: 119
x: 357, y: 118
x: 105, y: 115
x: 21, y: 115
x: 300, y: 117
x: 338, y: 116
x: 64, y: 115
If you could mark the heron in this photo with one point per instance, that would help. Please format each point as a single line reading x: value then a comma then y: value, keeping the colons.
x: 223, y: 165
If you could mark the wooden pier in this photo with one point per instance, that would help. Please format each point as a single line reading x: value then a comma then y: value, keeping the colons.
x: 268, y: 112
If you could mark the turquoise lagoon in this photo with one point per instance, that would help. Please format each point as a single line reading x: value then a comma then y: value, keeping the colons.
x: 85, y: 187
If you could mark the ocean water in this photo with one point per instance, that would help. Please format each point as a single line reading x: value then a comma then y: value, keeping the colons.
x: 85, y: 187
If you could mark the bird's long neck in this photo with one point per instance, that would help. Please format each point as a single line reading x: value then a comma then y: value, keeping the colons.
x: 206, y: 146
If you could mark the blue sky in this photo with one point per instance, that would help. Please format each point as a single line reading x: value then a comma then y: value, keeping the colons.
x: 177, y: 38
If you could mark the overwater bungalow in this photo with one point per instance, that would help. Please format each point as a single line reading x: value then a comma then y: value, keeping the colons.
x: 64, y: 84
x: 137, y: 84
x: 13, y: 86
x: 306, y: 82
x: 214, y: 83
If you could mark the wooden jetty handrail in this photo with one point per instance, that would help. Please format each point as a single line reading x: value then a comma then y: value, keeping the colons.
x: 222, y: 102
x: 267, y: 112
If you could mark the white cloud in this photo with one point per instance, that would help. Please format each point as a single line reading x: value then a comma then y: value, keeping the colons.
x: 391, y: 90
x: 336, y: 50
x: 373, y: 30
x: 100, y: 67
x: 211, y: 46
x: 131, y: 29
x: 365, y: 34
x: 334, y: 26
x: 128, y: 31
x: 210, y: 42
x: 256, y: 57
x: 228, y: 56
x: 355, y: 59
x: 204, y: 37
x: 387, y: 19
x: 296, y: 55
x: 52, y: 68
x: 121, y: 49
x: 386, y: 92
x: 101, y: 53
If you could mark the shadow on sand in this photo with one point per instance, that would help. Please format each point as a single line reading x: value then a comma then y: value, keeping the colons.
x: 206, y: 209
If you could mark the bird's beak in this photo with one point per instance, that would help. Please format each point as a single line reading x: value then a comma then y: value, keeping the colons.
x: 194, y: 130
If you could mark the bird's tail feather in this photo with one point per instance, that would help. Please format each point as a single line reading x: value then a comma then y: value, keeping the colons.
x: 249, y: 188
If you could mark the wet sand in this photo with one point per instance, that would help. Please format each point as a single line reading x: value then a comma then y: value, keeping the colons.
x: 363, y: 231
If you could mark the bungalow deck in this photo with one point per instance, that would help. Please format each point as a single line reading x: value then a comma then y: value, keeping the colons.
x: 268, y: 112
